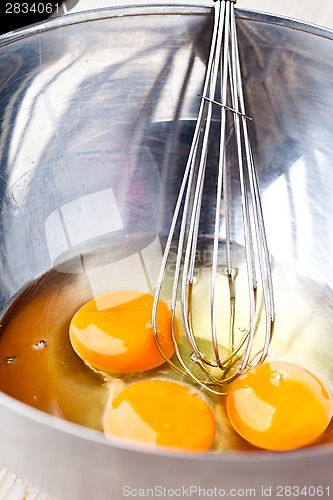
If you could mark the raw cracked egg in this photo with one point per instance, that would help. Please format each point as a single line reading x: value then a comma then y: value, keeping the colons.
x: 279, y: 406
x: 161, y: 413
x: 113, y: 332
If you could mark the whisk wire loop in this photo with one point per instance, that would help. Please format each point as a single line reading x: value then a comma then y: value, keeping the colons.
x: 221, y: 176
x: 223, y: 68
x: 189, y: 259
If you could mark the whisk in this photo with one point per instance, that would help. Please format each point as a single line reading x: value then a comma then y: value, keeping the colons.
x: 222, y: 95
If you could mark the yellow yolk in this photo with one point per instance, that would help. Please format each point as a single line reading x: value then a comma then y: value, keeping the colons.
x: 279, y: 406
x: 161, y: 413
x: 114, y: 333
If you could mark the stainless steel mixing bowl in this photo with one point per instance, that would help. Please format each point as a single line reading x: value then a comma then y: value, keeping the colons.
x: 96, y: 113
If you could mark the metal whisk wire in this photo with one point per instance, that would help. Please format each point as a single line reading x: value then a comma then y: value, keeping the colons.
x: 223, y: 67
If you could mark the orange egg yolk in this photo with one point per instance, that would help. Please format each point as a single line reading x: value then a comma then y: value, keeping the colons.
x: 279, y: 406
x: 113, y: 332
x: 161, y: 413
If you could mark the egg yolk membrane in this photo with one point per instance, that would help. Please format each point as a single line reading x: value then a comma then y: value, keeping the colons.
x: 276, y: 406
x: 161, y: 413
x: 113, y: 332
x: 279, y: 406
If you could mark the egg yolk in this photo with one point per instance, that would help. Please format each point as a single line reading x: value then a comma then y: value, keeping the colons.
x: 279, y: 406
x: 113, y: 332
x: 161, y: 413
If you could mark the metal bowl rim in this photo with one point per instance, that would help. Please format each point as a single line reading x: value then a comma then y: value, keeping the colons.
x: 154, y: 9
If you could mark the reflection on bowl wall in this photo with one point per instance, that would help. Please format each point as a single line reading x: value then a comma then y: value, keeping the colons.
x: 97, y: 112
